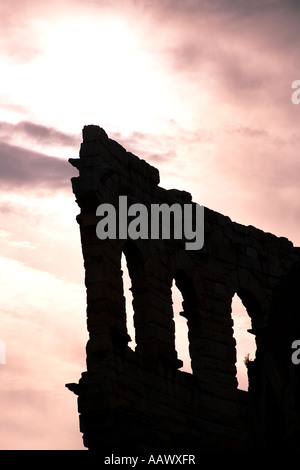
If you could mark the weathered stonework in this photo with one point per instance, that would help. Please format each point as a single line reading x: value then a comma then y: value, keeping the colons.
x: 140, y: 400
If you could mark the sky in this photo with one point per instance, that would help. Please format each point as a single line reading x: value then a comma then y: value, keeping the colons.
x: 199, y: 89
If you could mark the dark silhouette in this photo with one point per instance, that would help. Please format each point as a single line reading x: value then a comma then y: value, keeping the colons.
x: 140, y: 400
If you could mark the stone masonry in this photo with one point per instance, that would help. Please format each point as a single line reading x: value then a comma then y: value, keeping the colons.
x: 140, y: 400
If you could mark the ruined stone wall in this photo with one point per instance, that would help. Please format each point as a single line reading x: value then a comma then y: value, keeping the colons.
x: 140, y: 399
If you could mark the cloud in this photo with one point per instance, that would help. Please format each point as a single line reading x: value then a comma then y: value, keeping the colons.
x: 27, y: 166
x: 163, y: 147
x: 36, y: 133
x: 49, y: 352
x: 23, y: 417
x: 229, y: 49
x: 25, y: 169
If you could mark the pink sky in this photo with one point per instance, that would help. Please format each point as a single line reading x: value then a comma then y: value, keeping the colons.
x: 199, y: 89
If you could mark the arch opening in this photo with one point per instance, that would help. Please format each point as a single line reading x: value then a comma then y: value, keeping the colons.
x: 181, y: 330
x: 245, y: 341
x: 135, y: 288
x: 185, y: 306
x: 127, y: 292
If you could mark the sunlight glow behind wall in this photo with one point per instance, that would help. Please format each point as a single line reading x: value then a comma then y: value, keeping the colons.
x: 96, y: 66
x: 200, y: 91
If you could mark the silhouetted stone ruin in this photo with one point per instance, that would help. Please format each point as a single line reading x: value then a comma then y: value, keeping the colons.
x: 140, y: 399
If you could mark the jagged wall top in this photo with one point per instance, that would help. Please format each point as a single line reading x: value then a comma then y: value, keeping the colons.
x: 96, y: 143
x: 102, y: 157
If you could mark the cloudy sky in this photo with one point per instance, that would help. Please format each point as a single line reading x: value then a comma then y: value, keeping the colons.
x: 199, y: 89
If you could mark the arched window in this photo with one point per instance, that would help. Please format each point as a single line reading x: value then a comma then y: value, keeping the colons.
x: 185, y: 311
x: 135, y: 293
x: 128, y: 303
x: 245, y: 341
x: 181, y: 330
